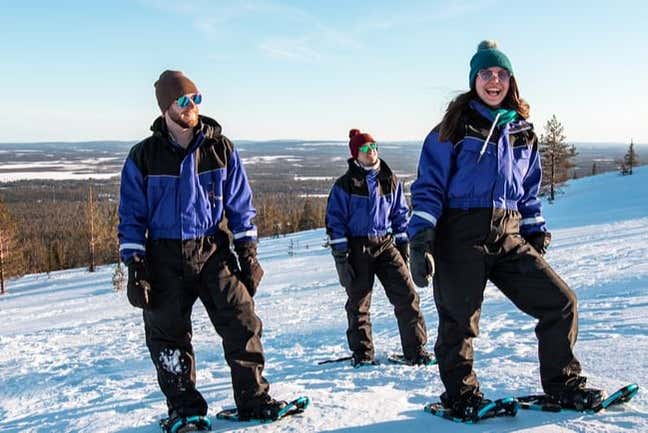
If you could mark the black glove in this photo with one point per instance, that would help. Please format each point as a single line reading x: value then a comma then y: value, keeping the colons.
x: 251, y: 270
x: 422, y: 261
x: 539, y: 241
x: 138, y: 289
x: 404, y: 250
x: 344, y: 269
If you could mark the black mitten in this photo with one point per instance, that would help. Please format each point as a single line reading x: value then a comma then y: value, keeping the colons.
x: 251, y: 270
x: 138, y: 289
x: 422, y: 259
x: 344, y: 269
x: 539, y: 241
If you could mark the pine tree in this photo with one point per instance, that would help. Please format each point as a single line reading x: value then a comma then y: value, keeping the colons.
x: 308, y: 218
x: 630, y: 159
x: 10, y: 253
x: 119, y: 276
x: 91, y: 229
x: 556, y: 157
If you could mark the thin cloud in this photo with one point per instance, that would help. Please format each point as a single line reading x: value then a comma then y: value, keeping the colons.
x: 310, y: 47
x: 290, y: 48
x: 423, y: 14
x: 311, y: 41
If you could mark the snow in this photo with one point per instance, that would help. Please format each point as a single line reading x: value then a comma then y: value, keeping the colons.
x: 73, y: 358
x: 311, y: 178
x: 270, y: 159
x: 55, y: 175
x: 56, y: 169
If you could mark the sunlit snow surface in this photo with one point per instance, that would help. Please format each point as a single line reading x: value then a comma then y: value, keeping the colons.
x: 73, y: 359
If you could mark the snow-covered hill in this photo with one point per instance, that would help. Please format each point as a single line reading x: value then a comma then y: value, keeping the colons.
x: 73, y: 359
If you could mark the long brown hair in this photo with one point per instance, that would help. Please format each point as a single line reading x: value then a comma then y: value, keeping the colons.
x: 458, y: 105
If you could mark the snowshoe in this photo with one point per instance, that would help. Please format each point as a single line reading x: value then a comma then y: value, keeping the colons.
x: 473, y: 408
x: 180, y: 424
x: 587, y: 400
x: 270, y: 411
x: 423, y: 358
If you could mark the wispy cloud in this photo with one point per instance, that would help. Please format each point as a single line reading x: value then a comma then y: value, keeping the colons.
x: 290, y: 48
x: 298, y: 35
x: 422, y: 14
x: 295, y: 34
x: 312, y: 46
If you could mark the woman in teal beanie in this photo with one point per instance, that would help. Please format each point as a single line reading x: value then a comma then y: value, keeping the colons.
x: 477, y: 217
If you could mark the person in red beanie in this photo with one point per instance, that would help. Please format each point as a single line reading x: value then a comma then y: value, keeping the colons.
x: 366, y: 220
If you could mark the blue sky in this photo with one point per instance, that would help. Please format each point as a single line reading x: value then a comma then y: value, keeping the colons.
x: 79, y: 70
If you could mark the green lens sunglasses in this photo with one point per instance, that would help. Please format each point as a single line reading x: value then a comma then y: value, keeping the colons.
x: 367, y: 147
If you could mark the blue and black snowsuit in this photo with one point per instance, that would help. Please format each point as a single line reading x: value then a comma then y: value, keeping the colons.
x: 480, y: 196
x: 172, y: 203
x: 366, y: 216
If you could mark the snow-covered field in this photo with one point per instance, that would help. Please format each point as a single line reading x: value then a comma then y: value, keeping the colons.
x: 73, y: 359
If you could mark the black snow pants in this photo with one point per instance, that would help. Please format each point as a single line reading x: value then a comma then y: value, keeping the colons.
x: 476, y: 245
x: 372, y: 257
x: 181, y: 272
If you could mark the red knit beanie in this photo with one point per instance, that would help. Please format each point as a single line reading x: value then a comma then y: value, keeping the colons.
x: 357, y: 140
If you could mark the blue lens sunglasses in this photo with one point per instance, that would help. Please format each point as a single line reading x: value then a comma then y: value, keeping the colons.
x: 183, y: 101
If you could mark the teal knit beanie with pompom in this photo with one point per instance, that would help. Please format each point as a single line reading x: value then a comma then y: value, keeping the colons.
x: 487, y: 56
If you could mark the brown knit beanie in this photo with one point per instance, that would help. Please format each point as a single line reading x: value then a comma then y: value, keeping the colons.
x: 357, y: 140
x: 170, y: 86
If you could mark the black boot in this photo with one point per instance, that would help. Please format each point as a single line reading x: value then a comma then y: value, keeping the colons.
x: 576, y: 396
x: 423, y: 357
x: 265, y: 409
x: 466, y: 406
x: 359, y: 360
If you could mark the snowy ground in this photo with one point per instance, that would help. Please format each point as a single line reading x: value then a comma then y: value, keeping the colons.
x: 72, y: 354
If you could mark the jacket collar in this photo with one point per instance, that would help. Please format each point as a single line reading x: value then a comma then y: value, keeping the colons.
x: 206, y: 128
x: 488, y: 114
x: 357, y: 171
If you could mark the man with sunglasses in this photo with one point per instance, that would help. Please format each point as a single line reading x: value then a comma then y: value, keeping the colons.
x: 366, y: 220
x: 176, y: 187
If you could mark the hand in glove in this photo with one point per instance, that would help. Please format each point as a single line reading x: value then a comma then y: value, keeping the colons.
x: 404, y: 250
x: 251, y: 270
x: 422, y: 259
x: 539, y: 241
x: 138, y: 289
x: 344, y: 269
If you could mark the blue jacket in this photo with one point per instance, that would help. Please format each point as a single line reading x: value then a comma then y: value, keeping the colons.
x: 366, y: 203
x: 168, y: 192
x: 466, y: 173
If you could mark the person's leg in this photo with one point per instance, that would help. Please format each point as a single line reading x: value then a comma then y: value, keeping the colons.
x: 458, y: 294
x: 357, y: 307
x: 231, y: 311
x: 395, y: 278
x: 535, y: 288
x: 168, y: 338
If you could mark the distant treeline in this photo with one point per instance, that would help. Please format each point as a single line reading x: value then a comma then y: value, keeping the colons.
x: 47, y: 225
x: 51, y: 222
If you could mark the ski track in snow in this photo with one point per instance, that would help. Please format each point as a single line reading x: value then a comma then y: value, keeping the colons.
x: 73, y: 358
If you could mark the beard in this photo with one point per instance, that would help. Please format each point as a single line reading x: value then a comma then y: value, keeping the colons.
x: 187, y: 118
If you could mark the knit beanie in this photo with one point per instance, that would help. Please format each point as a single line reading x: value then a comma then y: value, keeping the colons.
x: 487, y: 56
x: 170, y: 86
x: 357, y: 140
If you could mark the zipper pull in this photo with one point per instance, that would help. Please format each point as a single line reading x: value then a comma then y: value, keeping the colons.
x: 490, y: 133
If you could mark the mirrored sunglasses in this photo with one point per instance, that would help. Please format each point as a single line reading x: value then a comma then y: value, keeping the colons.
x: 487, y: 74
x: 183, y: 101
x: 367, y: 147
